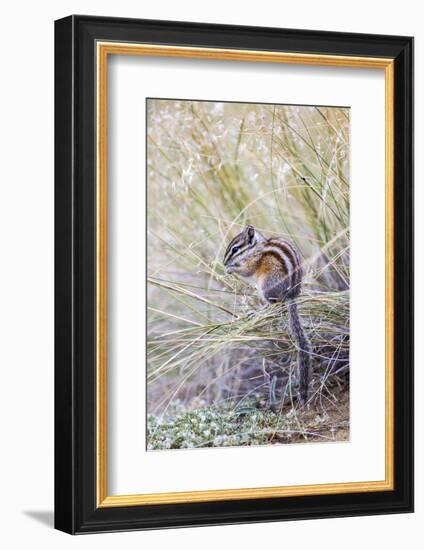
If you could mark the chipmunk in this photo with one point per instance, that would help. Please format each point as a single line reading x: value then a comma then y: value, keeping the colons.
x: 274, y: 267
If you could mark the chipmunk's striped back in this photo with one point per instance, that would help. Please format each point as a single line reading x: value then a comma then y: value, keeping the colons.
x: 288, y: 257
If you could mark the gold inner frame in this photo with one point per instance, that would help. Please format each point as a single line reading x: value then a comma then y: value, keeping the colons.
x: 104, y: 49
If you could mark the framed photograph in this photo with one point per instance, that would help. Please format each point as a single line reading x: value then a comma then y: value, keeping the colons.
x: 233, y: 266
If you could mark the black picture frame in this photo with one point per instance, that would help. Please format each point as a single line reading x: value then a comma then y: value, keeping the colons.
x: 76, y: 510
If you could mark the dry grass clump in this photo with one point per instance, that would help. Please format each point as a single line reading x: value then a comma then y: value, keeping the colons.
x: 212, y: 168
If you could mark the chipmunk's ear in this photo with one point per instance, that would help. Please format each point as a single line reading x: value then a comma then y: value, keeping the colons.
x: 249, y: 233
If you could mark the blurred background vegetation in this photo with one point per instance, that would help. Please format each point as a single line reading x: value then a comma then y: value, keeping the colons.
x: 220, y: 364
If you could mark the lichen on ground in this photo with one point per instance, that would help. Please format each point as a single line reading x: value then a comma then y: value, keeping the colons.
x: 225, y: 426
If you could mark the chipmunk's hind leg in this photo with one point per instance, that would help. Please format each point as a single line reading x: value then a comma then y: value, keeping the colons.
x: 275, y: 292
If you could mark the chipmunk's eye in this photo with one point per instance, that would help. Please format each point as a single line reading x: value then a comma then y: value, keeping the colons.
x: 235, y: 249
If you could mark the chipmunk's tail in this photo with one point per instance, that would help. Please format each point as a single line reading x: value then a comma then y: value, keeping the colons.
x: 303, y: 350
